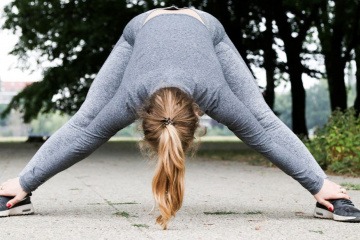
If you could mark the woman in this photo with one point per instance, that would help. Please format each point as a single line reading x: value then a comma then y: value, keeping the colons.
x: 173, y: 64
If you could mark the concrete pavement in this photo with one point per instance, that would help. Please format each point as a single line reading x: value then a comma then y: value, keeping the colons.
x: 108, y: 196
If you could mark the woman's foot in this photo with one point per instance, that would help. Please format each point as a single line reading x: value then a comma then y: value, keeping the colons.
x: 24, y: 207
x: 344, y: 211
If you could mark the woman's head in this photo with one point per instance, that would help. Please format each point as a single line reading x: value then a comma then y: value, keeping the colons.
x: 169, y: 121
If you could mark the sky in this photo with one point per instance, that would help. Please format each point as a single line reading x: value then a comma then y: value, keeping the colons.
x: 8, y: 63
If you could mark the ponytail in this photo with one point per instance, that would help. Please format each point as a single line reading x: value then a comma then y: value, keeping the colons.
x: 168, y: 182
x: 170, y: 119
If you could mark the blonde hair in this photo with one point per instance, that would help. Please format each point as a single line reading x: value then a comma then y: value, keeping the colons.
x: 169, y: 121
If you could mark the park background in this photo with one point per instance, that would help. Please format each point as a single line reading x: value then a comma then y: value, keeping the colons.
x: 303, y: 54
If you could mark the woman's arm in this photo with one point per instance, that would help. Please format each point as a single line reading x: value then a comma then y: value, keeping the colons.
x: 96, y: 121
x: 259, y: 128
x: 76, y: 139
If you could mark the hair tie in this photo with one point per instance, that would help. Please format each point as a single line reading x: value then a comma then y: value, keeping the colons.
x: 167, y: 121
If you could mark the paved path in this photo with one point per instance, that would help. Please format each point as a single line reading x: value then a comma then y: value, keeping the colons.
x: 108, y: 196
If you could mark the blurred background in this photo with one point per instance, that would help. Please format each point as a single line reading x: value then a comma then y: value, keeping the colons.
x: 304, y: 56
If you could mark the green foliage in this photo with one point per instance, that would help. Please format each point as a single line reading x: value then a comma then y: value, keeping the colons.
x: 317, y: 106
x: 218, y: 131
x: 132, y: 130
x: 73, y: 38
x: 338, y: 25
x: 3, y: 121
x: 351, y: 186
x: 337, y: 145
x: 76, y: 36
x: 47, y: 124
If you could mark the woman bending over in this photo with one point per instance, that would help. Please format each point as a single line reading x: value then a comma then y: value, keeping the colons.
x: 169, y: 66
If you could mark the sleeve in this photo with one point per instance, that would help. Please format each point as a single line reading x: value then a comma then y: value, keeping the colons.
x: 242, y: 109
x: 99, y: 118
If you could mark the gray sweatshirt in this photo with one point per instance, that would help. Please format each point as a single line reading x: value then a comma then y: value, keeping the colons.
x: 174, y: 50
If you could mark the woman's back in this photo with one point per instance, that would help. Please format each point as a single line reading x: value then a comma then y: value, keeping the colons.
x: 171, y: 50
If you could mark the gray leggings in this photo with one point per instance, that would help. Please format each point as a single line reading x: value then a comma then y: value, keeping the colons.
x: 223, y: 87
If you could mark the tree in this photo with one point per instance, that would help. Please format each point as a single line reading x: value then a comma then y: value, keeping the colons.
x: 244, y: 23
x: 317, y: 106
x: 270, y: 57
x: 294, y: 19
x: 3, y: 121
x: 338, y: 28
x: 76, y: 36
x: 357, y: 99
x: 356, y: 40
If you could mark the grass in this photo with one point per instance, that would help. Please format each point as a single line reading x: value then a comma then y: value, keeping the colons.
x: 13, y: 139
x: 140, y: 225
x: 231, y: 212
x: 220, y: 139
x: 125, y: 139
x: 242, y: 155
x: 220, y: 213
x: 314, y: 231
x: 122, y: 214
x: 252, y: 212
x: 135, y: 139
x: 351, y: 186
x: 203, y: 139
x: 122, y: 203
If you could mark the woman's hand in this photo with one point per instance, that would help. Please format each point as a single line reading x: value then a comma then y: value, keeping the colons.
x: 11, y: 188
x: 330, y: 190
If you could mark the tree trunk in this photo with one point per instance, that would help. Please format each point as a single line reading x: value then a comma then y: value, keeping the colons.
x: 293, y: 49
x: 233, y: 22
x: 298, y: 93
x: 335, y: 74
x: 357, y: 99
x: 269, y: 61
x: 334, y: 62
